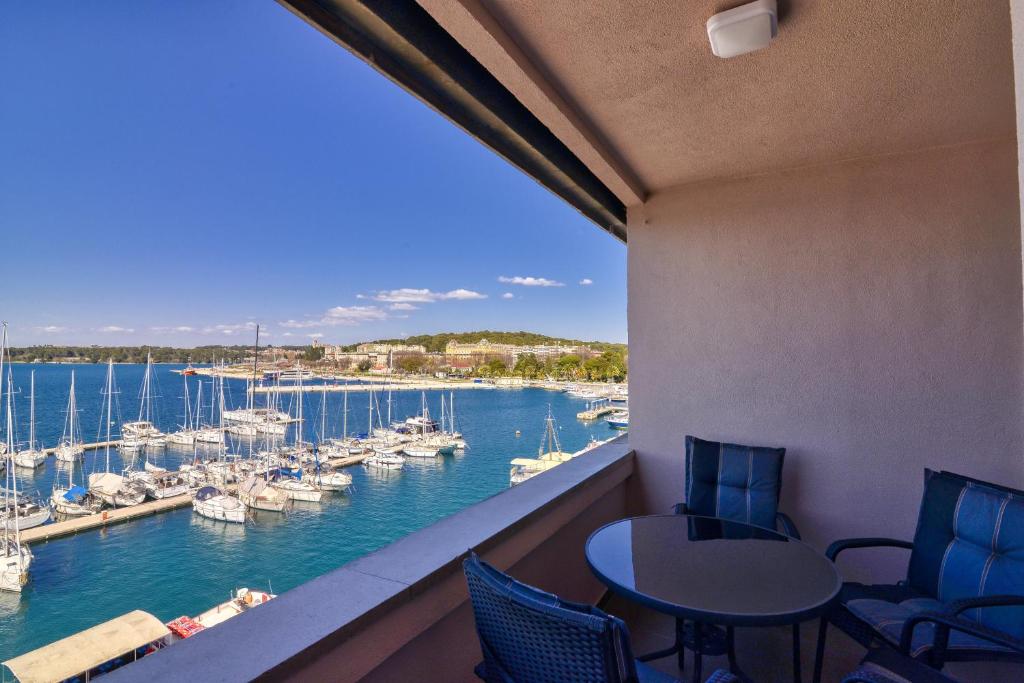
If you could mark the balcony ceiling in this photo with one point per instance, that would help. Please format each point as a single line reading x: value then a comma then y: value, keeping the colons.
x: 634, y: 91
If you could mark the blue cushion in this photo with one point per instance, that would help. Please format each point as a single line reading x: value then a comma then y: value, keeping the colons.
x: 739, y: 483
x: 970, y: 543
x: 887, y: 619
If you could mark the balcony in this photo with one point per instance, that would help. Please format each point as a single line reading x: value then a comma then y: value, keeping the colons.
x: 824, y: 243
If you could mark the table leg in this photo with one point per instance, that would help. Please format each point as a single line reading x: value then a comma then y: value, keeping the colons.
x: 698, y: 654
x: 819, y: 652
x: 796, y: 653
x: 681, y: 644
x: 730, y: 648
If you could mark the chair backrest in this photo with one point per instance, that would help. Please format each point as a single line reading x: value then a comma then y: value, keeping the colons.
x: 528, y: 635
x: 739, y: 483
x: 970, y: 543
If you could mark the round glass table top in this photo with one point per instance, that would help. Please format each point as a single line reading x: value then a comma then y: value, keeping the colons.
x: 712, y: 570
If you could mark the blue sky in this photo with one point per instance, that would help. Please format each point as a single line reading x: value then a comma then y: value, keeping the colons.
x: 174, y: 172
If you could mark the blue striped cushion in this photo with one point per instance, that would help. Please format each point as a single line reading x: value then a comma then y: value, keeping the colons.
x: 739, y: 483
x: 970, y: 543
x: 887, y: 619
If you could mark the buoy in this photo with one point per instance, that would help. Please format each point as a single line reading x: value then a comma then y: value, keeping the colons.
x: 517, y: 432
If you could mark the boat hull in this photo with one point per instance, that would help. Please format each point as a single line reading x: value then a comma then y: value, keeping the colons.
x: 29, y: 459
x: 14, y: 569
x: 214, y: 509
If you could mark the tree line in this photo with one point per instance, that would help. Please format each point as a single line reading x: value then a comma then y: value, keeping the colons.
x: 131, y: 354
x: 437, y: 342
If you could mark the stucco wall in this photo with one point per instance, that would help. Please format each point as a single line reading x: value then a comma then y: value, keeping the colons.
x: 865, y: 315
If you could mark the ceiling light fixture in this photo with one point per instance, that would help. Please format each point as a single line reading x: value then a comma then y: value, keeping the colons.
x: 743, y: 29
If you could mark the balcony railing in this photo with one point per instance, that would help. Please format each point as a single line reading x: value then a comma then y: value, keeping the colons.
x: 403, y: 610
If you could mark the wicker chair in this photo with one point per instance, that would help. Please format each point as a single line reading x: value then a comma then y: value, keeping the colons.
x: 888, y: 666
x: 528, y: 636
x: 963, y: 597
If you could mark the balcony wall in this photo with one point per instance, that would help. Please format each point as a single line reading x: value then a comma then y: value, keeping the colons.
x: 402, y: 613
x: 865, y: 315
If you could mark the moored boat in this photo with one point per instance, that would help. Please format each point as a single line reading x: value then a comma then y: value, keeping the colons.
x: 213, y: 503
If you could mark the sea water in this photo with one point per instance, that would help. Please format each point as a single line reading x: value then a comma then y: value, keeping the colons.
x: 177, y: 563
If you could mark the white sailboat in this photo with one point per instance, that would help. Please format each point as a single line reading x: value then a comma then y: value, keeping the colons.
x: 186, y: 435
x: 16, y: 559
x: 209, y: 434
x: 213, y: 503
x: 326, y: 477
x: 31, y: 457
x: 70, y: 447
x: 382, y: 457
x: 142, y: 432
x: 297, y: 487
x: 113, y: 489
x: 526, y: 468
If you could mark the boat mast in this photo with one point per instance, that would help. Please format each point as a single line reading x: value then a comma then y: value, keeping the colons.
x: 344, y: 414
x: 298, y: 427
x: 32, y: 413
x: 110, y: 392
x: 11, y: 494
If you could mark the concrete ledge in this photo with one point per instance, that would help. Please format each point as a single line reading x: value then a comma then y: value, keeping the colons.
x: 346, y: 623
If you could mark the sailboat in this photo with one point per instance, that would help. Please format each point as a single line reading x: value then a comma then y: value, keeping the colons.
x: 111, y: 488
x: 325, y: 476
x: 210, y: 433
x: 31, y: 457
x: 70, y: 447
x: 20, y: 510
x: 186, y: 436
x: 525, y: 468
x: 382, y: 458
x: 210, y: 501
x: 142, y: 432
x: 16, y: 558
x: 290, y: 481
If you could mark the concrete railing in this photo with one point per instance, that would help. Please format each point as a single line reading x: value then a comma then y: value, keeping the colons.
x: 402, y: 612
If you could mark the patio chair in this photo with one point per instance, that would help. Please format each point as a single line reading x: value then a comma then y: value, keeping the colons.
x: 737, y: 483
x: 527, y: 636
x: 963, y: 597
x: 885, y: 665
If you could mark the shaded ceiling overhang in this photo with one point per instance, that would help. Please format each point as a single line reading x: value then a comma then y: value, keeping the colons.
x: 402, y: 41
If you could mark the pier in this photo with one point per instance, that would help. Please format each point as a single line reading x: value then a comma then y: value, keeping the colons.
x: 69, y: 527
x: 595, y: 413
x: 87, y: 446
x: 377, y: 388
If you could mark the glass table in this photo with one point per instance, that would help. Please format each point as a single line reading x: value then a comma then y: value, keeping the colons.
x: 709, y: 572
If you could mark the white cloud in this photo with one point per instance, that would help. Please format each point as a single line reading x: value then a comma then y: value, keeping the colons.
x: 50, y: 328
x: 407, y: 295
x: 177, y: 328
x: 229, y: 329
x: 315, y: 335
x: 288, y: 334
x: 402, y: 306
x: 115, y: 328
x: 340, y: 315
x: 530, y: 281
x: 586, y: 281
x: 508, y: 295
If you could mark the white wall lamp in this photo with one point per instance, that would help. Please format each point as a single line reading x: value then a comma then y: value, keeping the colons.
x: 743, y: 29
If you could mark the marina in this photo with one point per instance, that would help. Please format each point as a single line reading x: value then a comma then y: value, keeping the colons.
x: 110, y: 563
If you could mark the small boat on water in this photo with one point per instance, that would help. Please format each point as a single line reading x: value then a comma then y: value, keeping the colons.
x: 16, y: 559
x: 383, y: 460
x: 213, y: 503
x: 242, y: 600
x: 74, y: 502
x: 618, y: 420
x: 70, y: 447
x: 26, y: 512
x: 420, y: 450
x: 549, y: 455
x: 257, y: 493
x: 30, y: 457
x: 165, y: 485
x: 297, y: 488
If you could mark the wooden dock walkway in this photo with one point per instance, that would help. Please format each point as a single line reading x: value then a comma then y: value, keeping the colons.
x: 347, y: 461
x: 88, y: 446
x: 76, y: 525
x: 595, y: 413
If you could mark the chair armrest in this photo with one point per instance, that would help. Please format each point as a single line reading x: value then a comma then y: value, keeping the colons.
x: 787, y: 525
x: 679, y: 508
x: 958, y: 606
x: 944, y: 622
x: 848, y: 543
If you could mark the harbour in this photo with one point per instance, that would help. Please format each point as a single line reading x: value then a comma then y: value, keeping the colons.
x: 113, y: 565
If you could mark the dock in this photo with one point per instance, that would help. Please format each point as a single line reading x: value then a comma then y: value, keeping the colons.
x: 347, y: 461
x: 379, y: 387
x: 595, y: 413
x: 69, y: 527
x: 87, y: 446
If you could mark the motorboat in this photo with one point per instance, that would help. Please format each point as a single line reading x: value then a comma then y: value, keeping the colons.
x: 213, y: 503
x: 384, y: 460
x: 257, y: 493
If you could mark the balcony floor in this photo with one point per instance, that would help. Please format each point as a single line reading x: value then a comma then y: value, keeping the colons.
x: 765, y: 654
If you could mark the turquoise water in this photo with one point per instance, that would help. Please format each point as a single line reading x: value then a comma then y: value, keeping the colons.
x: 176, y: 563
